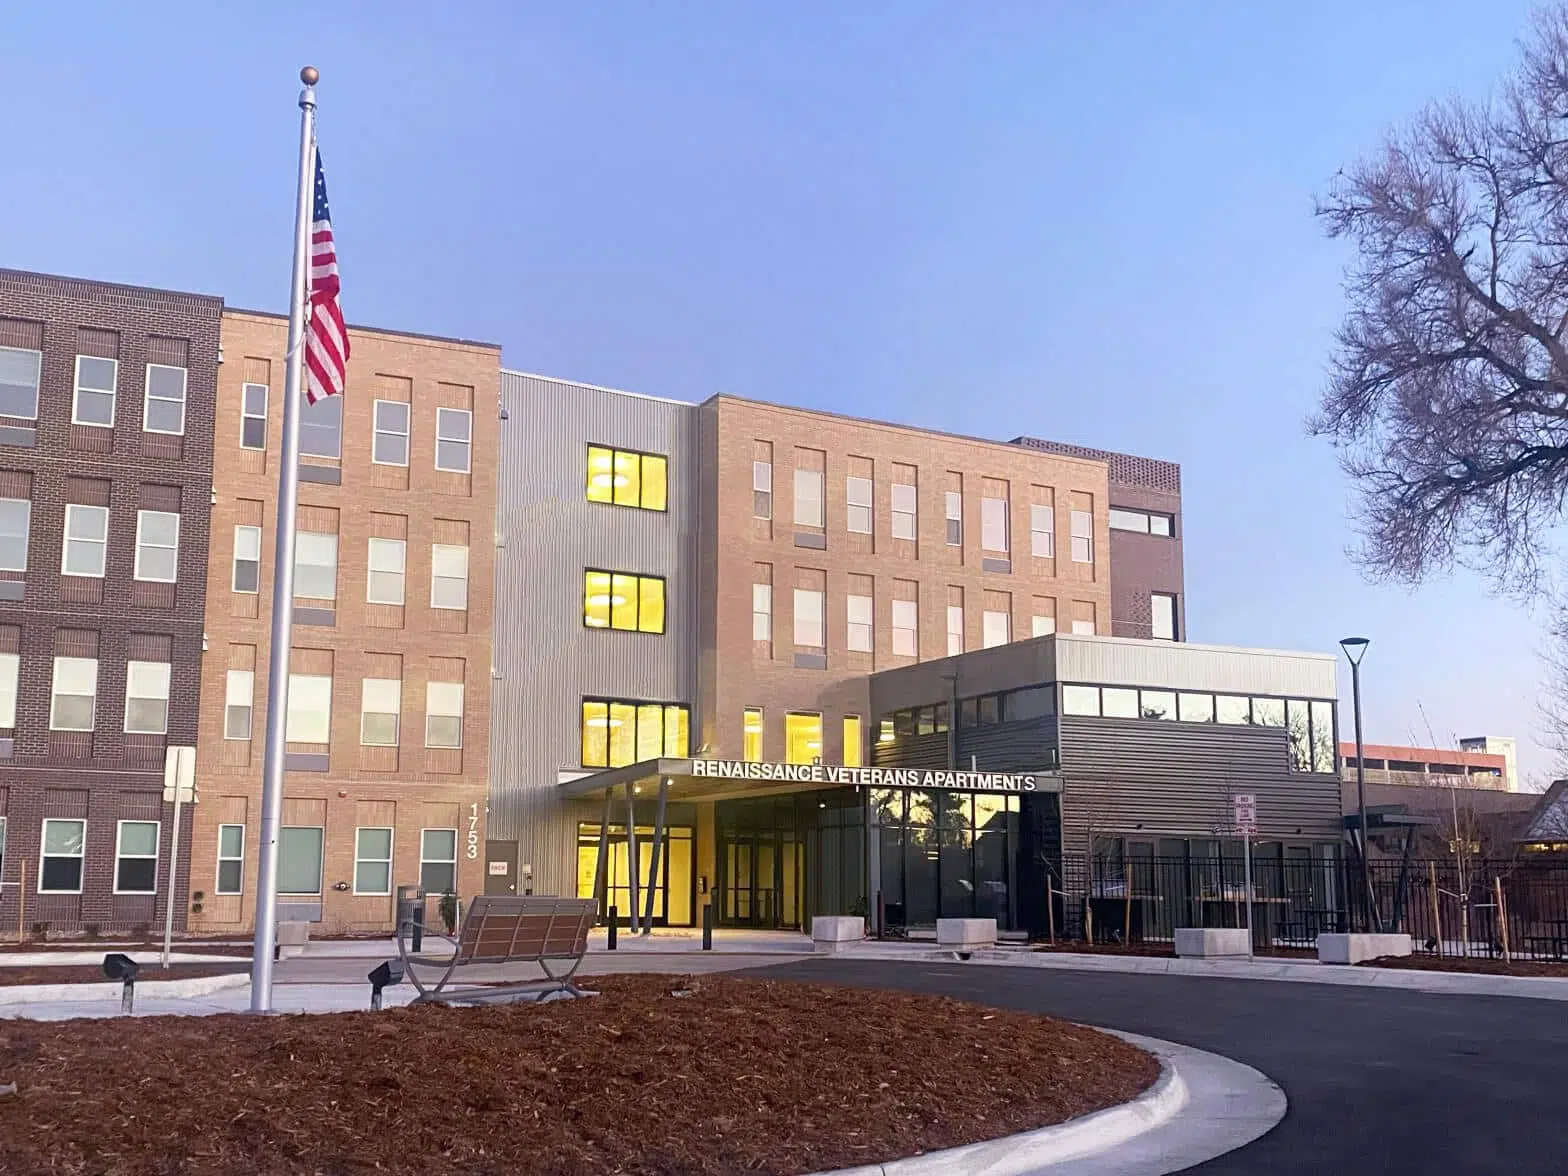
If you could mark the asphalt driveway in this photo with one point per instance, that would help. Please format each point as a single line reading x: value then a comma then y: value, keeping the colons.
x: 1379, y: 1081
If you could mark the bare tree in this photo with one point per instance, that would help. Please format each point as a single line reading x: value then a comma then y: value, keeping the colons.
x: 1448, y: 387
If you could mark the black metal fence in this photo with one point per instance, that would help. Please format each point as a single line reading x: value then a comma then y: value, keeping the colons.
x: 1452, y: 907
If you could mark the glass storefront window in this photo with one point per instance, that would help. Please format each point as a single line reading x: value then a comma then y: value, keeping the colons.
x: 1157, y: 704
x: 1323, y: 755
x: 1298, y: 730
x: 1195, y: 708
x: 887, y: 806
x: 1233, y: 709
x: 1268, y: 712
x: 1118, y: 703
x: 1081, y: 700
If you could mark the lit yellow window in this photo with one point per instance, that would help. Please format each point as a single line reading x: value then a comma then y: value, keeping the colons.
x: 802, y: 738
x: 623, y: 734
x: 650, y: 615
x: 628, y: 479
x: 625, y: 477
x: 596, y: 735
x: 655, y: 492
x: 596, y: 599
x: 677, y: 732
x: 623, y: 602
x: 751, y: 736
x: 885, y: 731
x: 852, y: 741
x: 601, y: 474
x: 650, y: 732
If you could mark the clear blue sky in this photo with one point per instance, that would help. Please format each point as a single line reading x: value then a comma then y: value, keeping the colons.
x: 991, y: 218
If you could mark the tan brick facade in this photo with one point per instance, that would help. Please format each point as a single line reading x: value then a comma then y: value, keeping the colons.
x: 407, y: 787
x: 739, y: 670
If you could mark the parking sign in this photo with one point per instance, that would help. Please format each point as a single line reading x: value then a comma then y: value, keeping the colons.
x: 1246, y: 813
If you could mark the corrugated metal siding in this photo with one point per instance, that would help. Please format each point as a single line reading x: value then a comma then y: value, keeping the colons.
x: 1025, y: 746
x: 928, y: 752
x: 1179, y: 666
x: 547, y: 659
x: 1177, y: 779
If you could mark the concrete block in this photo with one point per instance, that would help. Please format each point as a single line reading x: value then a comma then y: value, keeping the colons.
x: 1211, y: 942
x: 1358, y: 946
x: 830, y: 932
x: 965, y: 934
x: 292, y: 934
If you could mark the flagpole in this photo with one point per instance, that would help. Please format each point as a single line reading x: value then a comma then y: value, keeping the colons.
x: 283, y: 569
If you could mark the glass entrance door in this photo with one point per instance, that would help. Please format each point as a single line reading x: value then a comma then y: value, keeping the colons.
x: 759, y: 878
x: 673, y: 898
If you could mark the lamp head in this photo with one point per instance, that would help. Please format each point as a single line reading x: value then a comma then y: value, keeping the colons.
x: 120, y: 967
x: 1355, y: 648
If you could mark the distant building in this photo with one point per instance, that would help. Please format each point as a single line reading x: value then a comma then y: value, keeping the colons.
x: 1505, y: 746
x: 1432, y: 767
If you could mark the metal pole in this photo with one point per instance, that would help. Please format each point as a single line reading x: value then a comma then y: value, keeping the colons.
x: 283, y: 569
x: 1361, y: 800
x: 174, y: 867
x: 1246, y: 854
x: 601, y: 866
x: 631, y: 856
x: 653, y: 855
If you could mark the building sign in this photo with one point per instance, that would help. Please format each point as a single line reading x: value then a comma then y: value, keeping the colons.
x: 868, y: 777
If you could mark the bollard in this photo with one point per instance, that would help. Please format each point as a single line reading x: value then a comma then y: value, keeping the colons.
x: 614, y: 919
x: 707, y: 926
x: 122, y: 968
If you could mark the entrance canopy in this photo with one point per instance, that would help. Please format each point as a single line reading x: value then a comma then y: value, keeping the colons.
x: 712, y: 779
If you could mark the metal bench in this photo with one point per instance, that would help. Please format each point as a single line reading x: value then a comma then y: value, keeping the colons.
x: 497, y: 930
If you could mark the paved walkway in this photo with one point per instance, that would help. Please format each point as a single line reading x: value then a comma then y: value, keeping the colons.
x: 1380, y: 1083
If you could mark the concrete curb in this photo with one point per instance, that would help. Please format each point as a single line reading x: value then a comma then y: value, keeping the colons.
x: 24, y: 994
x: 1202, y: 1106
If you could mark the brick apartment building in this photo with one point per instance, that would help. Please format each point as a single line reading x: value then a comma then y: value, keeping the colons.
x: 106, y: 424
x: 389, y: 714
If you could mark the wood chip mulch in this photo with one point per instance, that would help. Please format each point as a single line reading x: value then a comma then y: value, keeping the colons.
x: 1497, y: 967
x: 656, y: 1075
x: 93, y: 974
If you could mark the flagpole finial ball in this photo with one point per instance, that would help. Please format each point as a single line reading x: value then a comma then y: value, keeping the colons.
x: 310, y: 75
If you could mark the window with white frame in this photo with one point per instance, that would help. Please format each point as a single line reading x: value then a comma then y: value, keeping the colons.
x: 321, y: 428
x: 905, y: 523
x: 136, y: 857
x: 73, y: 697
x: 19, y: 370
x: 1040, y: 626
x: 444, y: 714
x: 380, y: 709
x: 247, y: 559
x: 857, y: 499
x: 454, y: 439
x: 239, y: 701
x: 955, y: 629
x: 372, y: 861
x: 1083, y: 537
x: 1162, y: 610
x: 93, y: 402
x: 762, y: 612
x: 300, y: 851
x: 146, y: 698
x: 1083, y: 627
x: 157, y: 546
x: 16, y: 521
x: 438, y: 860
x: 906, y: 628
x: 1042, y: 531
x: 993, y: 524
x: 388, y: 562
x: 64, y: 848
x: 164, y: 408
x: 859, y: 613
x: 762, y: 489
x: 231, y: 859
x: 449, y: 575
x: 10, y: 667
x: 808, y: 619
x: 86, y: 540
x: 996, y: 628
x: 253, y: 416
x: 808, y: 498
x: 389, y: 446
x: 309, y: 712
x: 315, y: 565
x: 955, y: 518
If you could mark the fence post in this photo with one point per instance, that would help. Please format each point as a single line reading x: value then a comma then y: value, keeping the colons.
x: 1437, y: 911
x: 1502, y: 917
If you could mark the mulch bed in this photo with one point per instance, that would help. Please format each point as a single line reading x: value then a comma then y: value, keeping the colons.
x: 1430, y: 963
x: 740, y: 1075
x: 93, y: 974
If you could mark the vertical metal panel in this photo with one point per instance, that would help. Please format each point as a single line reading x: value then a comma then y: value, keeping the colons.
x: 546, y: 659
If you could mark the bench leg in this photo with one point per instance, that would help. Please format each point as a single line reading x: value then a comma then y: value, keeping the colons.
x: 563, y: 982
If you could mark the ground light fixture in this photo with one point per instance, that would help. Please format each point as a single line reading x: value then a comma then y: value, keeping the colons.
x: 382, y: 975
x: 117, y: 966
x: 1355, y: 649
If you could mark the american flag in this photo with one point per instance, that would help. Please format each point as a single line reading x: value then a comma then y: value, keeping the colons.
x: 326, y: 340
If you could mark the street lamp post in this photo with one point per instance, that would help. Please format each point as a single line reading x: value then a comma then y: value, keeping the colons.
x: 1355, y: 649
